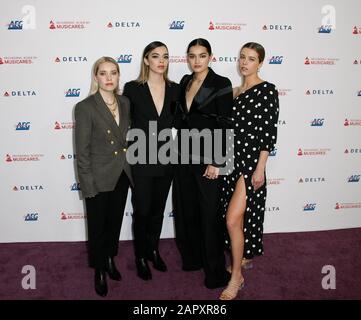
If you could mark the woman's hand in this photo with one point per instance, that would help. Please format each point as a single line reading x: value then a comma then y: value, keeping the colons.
x: 211, y: 172
x: 258, y: 179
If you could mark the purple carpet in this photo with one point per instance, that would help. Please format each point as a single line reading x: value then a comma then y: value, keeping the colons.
x: 290, y: 269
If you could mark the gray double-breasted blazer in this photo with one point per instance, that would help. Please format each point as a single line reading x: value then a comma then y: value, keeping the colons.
x: 101, y: 144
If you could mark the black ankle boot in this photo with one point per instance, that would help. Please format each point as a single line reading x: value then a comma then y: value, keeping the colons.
x: 100, y: 282
x: 143, y: 270
x: 157, y: 260
x: 112, y: 271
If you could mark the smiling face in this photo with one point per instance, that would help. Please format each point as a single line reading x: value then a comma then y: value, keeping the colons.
x: 198, y: 58
x: 249, y: 62
x: 107, y: 76
x: 157, y: 60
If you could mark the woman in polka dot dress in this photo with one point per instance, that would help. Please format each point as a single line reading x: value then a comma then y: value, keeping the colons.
x: 255, y: 117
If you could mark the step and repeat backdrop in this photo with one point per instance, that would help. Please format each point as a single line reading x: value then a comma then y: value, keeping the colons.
x: 313, y: 55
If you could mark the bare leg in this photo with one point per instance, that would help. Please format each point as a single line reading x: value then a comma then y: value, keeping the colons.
x: 234, y: 217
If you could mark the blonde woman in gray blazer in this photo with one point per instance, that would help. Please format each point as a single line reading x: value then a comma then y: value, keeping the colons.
x: 102, y: 120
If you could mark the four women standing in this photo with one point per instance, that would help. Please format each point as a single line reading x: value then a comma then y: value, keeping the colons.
x: 203, y: 101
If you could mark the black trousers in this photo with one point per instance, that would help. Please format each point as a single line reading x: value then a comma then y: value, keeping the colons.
x: 149, y: 201
x: 105, y: 216
x: 198, y: 225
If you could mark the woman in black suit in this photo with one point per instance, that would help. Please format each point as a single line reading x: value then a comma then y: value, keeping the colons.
x: 152, y: 97
x: 102, y: 121
x: 206, y: 100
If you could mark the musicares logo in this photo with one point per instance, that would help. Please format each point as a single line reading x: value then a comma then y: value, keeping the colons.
x: 16, y: 158
x: 68, y: 25
x: 72, y: 216
x: 312, y: 152
x: 349, y: 205
x: 225, y: 26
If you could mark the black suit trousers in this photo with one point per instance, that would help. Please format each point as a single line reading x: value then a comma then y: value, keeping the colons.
x: 198, y: 224
x: 149, y: 201
x: 105, y: 216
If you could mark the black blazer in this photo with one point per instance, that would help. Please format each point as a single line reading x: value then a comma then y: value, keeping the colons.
x: 211, y: 106
x: 143, y: 110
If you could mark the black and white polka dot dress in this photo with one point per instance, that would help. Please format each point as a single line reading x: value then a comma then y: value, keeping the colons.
x: 254, y: 117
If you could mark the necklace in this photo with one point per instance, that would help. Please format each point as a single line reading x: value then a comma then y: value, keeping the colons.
x: 114, y: 111
x: 110, y: 104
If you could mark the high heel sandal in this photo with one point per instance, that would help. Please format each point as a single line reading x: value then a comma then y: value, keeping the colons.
x: 232, y: 290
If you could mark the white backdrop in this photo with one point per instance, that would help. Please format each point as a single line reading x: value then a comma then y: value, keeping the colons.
x: 46, y: 53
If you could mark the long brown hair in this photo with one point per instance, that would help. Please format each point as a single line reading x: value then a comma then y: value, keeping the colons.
x: 144, y: 69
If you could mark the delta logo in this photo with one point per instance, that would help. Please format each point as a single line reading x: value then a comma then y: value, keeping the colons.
x: 312, y: 152
x: 357, y: 61
x: 170, y: 214
x: 320, y: 61
x: 277, y: 27
x: 31, y: 216
x: 68, y: 25
x: 224, y: 59
x: 354, y: 178
x: 21, y: 126
x: 70, y: 59
x: 124, y: 58
x: 20, y: 158
x: 64, y: 125
x: 72, y: 92
x: 353, y: 151
x: 276, y: 60
x: 283, y: 92
x: 325, y: 29
x: 311, y: 180
x: 124, y: 24
x: 356, y: 30
x: 275, y: 181
x: 225, y: 26
x: 177, y: 25
x: 28, y: 188
x: 273, y: 209
x: 352, y: 122
x: 349, y: 205
x: 17, y: 60
x: 177, y: 59
x: 19, y: 93
x: 67, y: 157
x: 319, y: 92
x: 15, y: 25
x: 309, y: 207
x: 359, y: 93
x: 317, y: 122
x: 75, y: 187
x: 273, y: 153
x: 72, y: 216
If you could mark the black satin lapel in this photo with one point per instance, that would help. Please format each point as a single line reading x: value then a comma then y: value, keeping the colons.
x: 148, y: 97
x: 167, y: 100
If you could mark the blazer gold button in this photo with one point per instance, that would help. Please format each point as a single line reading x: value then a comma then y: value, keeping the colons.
x: 112, y: 142
x: 108, y: 131
x: 125, y: 149
x: 115, y: 152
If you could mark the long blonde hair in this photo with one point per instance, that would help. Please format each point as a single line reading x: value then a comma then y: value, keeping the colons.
x: 94, y: 87
x: 144, y: 69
